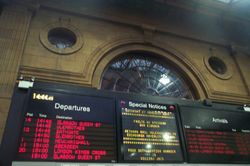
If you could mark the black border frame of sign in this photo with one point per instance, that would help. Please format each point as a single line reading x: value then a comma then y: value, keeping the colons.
x: 184, y: 134
x: 10, y: 141
x: 181, y: 133
x: 89, y: 94
x: 22, y: 119
x: 9, y: 148
x: 147, y: 99
x: 19, y: 99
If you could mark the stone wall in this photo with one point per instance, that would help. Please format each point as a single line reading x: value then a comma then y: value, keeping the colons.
x: 14, y: 25
x: 106, y: 32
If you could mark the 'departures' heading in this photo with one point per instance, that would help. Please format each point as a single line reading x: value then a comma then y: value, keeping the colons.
x: 77, y: 108
x: 147, y: 105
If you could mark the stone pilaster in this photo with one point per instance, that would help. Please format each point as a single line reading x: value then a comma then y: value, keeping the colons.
x: 14, y: 25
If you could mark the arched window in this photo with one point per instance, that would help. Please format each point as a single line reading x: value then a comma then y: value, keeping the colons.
x: 145, y: 74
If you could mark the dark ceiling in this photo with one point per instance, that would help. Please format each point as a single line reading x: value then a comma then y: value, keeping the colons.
x: 213, y: 20
x: 234, y: 9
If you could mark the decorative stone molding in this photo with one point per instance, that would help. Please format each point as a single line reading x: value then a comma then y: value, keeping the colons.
x: 14, y: 25
x: 102, y: 57
x: 236, y: 52
x: 148, y: 32
x: 106, y: 52
x: 227, y: 74
x: 62, y: 23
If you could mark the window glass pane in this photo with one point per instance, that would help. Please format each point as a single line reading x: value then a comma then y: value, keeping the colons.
x: 145, y: 74
x: 62, y: 38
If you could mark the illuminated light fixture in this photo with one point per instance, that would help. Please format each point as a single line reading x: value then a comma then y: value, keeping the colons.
x: 164, y: 79
x: 167, y: 137
x: 132, y: 154
x: 148, y: 146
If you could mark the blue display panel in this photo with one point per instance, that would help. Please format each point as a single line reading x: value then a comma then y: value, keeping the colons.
x: 149, y: 132
x: 68, y: 127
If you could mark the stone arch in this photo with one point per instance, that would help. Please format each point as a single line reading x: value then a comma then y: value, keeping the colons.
x: 104, y: 55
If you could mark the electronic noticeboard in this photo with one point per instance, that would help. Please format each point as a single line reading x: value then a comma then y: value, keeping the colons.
x: 68, y: 127
x: 149, y: 132
x: 216, y: 136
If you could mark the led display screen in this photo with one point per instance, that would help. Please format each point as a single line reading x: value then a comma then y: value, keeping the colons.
x: 214, y: 136
x: 149, y: 132
x: 65, y: 127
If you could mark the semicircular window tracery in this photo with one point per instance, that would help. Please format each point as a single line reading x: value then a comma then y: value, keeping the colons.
x: 145, y: 74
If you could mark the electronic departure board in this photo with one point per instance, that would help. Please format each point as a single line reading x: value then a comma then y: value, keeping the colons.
x: 149, y: 132
x: 216, y: 136
x: 66, y: 127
